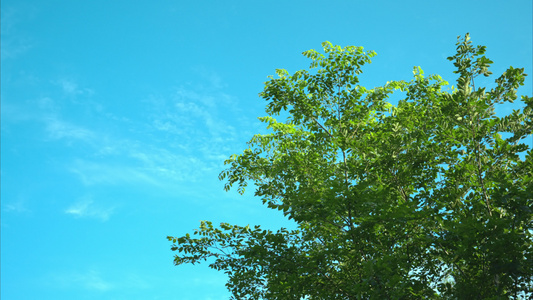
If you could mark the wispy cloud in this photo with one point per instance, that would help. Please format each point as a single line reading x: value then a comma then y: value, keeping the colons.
x: 13, y: 47
x: 86, y: 208
x: 95, y: 280
x: 59, y: 129
x: 109, y: 173
x: 91, y: 280
x: 139, y: 165
x: 71, y: 88
x: 198, y: 119
x: 178, y: 138
x: 213, y: 78
x: 14, y: 41
x: 18, y: 206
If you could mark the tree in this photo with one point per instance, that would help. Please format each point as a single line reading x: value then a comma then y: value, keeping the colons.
x: 423, y: 199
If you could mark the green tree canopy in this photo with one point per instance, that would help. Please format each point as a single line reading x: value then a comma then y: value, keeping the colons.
x: 429, y: 198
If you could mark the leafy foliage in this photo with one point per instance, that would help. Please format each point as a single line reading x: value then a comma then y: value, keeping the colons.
x: 423, y: 199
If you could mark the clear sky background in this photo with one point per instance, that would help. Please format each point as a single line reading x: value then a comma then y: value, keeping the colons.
x: 116, y: 117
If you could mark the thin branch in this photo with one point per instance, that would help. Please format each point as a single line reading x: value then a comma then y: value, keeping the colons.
x: 318, y: 123
x: 479, y: 171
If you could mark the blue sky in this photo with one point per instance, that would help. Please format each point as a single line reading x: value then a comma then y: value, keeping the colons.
x: 116, y: 117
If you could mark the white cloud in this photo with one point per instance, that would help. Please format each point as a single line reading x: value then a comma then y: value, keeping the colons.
x: 192, y: 138
x: 214, y: 80
x: 197, y: 119
x: 18, y: 206
x: 137, y: 163
x: 58, y: 129
x: 90, y: 280
x: 85, y: 208
x: 13, y: 47
x: 94, y: 280
x: 14, y: 41
x: 105, y: 172
x: 71, y: 88
x: 47, y: 112
x: 183, y: 136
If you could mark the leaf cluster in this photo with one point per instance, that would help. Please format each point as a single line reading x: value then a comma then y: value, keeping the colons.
x: 422, y: 199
